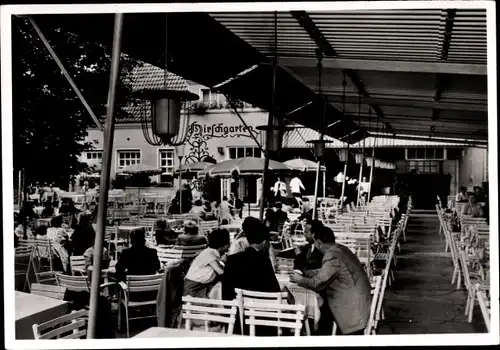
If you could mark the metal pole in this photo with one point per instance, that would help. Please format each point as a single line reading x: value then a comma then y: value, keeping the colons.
x: 371, y: 174
x: 65, y: 73
x: 270, y: 122
x: 20, y: 189
x: 109, y: 128
x: 359, y: 180
x: 315, y: 211
x: 180, y: 184
x: 324, y: 183
x: 343, y: 183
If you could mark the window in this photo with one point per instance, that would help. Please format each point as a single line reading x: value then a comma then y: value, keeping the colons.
x: 240, y: 152
x: 166, y: 164
x: 424, y: 166
x: 205, y: 95
x: 95, y: 156
x: 425, y: 153
x: 128, y: 157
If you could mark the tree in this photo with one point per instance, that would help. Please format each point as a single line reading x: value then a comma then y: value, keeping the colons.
x: 49, y: 121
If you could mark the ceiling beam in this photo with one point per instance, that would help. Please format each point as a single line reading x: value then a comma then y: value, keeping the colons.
x: 310, y: 27
x: 388, y: 66
x: 432, y: 139
x: 327, y: 50
x: 397, y: 102
x: 441, y: 134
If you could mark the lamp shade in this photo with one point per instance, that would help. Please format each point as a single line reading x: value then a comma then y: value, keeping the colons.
x: 370, y: 161
x: 343, y: 155
x: 271, y: 136
x: 359, y: 158
x: 166, y: 108
x: 319, y: 147
x: 180, y: 150
x: 377, y: 163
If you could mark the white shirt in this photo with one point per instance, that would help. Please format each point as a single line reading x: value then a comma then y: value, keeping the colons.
x: 296, y: 184
x: 280, y: 187
x: 339, y: 177
x: 200, y: 270
x: 461, y: 197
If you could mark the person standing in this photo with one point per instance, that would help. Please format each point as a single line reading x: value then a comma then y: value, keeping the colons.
x: 279, y: 190
x: 296, y: 185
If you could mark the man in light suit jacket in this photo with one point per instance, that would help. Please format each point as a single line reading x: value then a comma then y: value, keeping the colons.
x: 344, y: 280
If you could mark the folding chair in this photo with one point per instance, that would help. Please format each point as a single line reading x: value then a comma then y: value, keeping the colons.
x: 209, y: 310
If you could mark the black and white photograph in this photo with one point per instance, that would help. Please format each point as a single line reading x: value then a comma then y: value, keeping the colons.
x: 295, y: 173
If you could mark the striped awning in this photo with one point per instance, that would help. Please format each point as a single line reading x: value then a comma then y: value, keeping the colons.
x: 298, y: 138
x: 390, y: 142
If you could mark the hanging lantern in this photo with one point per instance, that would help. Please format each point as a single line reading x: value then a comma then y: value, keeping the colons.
x: 165, y: 115
x: 343, y: 155
x: 319, y: 147
x: 271, y: 136
x: 377, y: 163
x: 359, y: 158
x: 369, y: 161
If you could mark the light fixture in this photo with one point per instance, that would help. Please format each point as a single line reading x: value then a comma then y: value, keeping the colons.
x: 180, y: 151
x: 359, y: 158
x: 377, y: 163
x: 271, y: 136
x: 164, y: 118
x: 319, y: 147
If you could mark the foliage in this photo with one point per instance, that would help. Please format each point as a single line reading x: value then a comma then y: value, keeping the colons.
x: 49, y: 121
x: 132, y: 180
x: 198, y: 108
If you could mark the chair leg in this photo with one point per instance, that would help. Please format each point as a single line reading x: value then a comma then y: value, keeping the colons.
x: 307, y: 328
x: 467, y: 305
x: 472, y: 302
x: 334, y: 330
x: 392, y: 275
x: 126, y: 320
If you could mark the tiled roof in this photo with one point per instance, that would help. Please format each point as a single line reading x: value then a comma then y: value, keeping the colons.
x: 148, y: 76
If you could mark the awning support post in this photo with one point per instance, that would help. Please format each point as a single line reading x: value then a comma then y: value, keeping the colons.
x: 109, y: 128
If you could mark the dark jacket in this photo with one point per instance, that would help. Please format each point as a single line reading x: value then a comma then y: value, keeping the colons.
x: 249, y: 270
x: 137, y: 260
x: 82, y: 239
x: 308, y: 260
x: 347, y: 288
x: 169, y: 299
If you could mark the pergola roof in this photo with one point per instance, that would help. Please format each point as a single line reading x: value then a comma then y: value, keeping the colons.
x: 423, y: 72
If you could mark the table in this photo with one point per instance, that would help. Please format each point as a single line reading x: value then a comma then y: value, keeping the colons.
x: 159, y: 332
x: 31, y: 309
x: 234, y: 227
x: 310, y: 299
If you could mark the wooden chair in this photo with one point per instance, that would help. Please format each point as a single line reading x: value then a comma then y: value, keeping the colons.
x: 168, y: 255
x: 371, y: 325
x: 208, y: 226
x: 23, y: 266
x: 134, y: 285
x: 209, y: 310
x: 111, y: 236
x: 77, y: 265
x: 44, y: 290
x: 484, y: 305
x: 274, y: 315
x: 243, y: 297
x: 71, y: 326
x: 284, y: 266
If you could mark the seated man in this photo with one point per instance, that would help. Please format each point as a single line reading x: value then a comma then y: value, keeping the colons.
x: 307, y: 257
x: 138, y: 259
x: 190, y: 237
x: 342, y: 280
x: 473, y: 208
x: 250, y: 269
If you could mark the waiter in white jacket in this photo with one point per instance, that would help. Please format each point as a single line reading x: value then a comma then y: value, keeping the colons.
x: 279, y: 191
x: 296, y: 185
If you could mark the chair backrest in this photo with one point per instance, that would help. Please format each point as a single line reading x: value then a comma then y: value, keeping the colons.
x: 373, y: 309
x: 244, y: 296
x: 143, y: 283
x: 73, y: 283
x: 77, y: 263
x: 209, y: 310
x: 208, y: 226
x: 109, y: 232
x: 284, y: 266
x: 168, y: 254
x: 71, y: 326
x: 49, y: 291
x: 190, y: 252
x: 298, y: 240
x: 274, y: 315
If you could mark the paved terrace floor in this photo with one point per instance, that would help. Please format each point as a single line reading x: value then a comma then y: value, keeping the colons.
x: 422, y: 300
